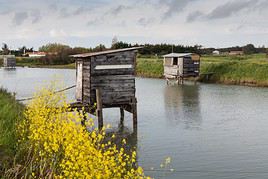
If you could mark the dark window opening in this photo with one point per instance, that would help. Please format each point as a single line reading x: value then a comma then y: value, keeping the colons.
x: 175, y: 60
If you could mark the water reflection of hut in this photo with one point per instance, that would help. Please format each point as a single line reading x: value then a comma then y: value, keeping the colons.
x: 181, y: 65
x: 182, y: 105
x: 9, y: 61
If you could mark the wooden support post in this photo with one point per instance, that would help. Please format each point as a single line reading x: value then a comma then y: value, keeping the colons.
x: 83, y: 121
x: 122, y: 115
x: 99, y: 108
x: 134, y: 112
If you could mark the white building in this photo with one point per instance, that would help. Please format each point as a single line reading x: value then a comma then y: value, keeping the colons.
x: 216, y: 52
x: 36, y: 54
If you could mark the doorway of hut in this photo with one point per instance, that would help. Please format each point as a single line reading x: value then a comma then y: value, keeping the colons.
x: 175, y: 60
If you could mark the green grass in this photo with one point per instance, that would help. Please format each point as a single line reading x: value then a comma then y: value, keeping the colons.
x: 244, y: 70
x: 66, y: 66
x: 149, y: 67
x: 10, y: 114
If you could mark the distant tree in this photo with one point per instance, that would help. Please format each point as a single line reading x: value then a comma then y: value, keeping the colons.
x: 249, y: 49
x: 5, y: 49
x: 78, y: 50
x: 56, y: 54
x: 120, y: 45
x: 100, y: 47
x: 54, y: 48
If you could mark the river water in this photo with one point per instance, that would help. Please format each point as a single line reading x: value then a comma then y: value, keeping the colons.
x: 209, y: 131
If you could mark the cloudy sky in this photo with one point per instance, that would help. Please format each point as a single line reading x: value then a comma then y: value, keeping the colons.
x: 211, y: 23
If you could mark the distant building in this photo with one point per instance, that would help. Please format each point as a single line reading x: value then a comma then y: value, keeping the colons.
x: 216, y: 52
x: 35, y: 54
x: 238, y: 52
x: 9, y: 61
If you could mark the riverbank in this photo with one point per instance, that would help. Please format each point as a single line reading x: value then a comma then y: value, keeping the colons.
x: 37, y: 142
x: 10, y: 113
x: 250, y: 70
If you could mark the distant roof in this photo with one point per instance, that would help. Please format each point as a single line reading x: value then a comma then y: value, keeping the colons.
x: 84, y: 55
x: 178, y: 55
x: 36, y: 53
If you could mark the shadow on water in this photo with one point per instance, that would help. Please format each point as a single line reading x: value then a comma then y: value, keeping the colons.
x: 182, y: 104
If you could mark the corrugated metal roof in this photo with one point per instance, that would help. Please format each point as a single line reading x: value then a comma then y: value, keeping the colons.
x: 178, y: 55
x: 85, y: 55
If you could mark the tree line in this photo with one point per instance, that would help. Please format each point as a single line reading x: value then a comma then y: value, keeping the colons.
x: 57, y: 53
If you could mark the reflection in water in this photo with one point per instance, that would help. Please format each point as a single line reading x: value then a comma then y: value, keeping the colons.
x: 9, y: 72
x: 182, y: 104
x: 122, y: 132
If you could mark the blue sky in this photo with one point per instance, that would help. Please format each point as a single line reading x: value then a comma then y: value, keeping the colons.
x: 211, y: 23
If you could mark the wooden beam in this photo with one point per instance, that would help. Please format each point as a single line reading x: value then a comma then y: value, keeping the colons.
x: 134, y: 112
x: 122, y: 115
x: 99, y: 108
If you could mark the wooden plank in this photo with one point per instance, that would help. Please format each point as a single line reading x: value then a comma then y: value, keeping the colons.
x: 113, y: 61
x: 127, y: 71
x: 113, y: 85
x: 191, y: 66
x: 109, y: 77
x: 112, y: 81
x: 107, y: 89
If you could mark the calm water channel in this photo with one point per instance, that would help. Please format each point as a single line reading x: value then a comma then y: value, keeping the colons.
x: 209, y: 131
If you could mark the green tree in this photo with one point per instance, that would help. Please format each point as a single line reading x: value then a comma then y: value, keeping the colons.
x: 100, y: 47
x: 249, y: 49
x: 54, y: 48
x: 5, y: 49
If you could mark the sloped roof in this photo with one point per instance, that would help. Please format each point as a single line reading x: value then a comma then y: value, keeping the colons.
x: 178, y: 54
x: 85, y: 55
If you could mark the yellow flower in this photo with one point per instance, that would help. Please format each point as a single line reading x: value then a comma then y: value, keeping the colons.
x: 65, y: 148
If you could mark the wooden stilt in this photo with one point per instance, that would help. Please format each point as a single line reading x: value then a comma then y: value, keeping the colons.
x: 122, y: 115
x: 83, y: 122
x: 134, y: 112
x: 99, y: 108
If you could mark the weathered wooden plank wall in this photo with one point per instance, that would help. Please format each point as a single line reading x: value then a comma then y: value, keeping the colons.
x: 113, y: 74
x: 9, y: 62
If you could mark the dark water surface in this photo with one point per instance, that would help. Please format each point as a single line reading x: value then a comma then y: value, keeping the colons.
x: 209, y: 131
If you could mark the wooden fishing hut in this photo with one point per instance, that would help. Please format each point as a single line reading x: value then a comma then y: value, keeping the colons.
x: 181, y: 65
x: 9, y: 61
x: 107, y: 79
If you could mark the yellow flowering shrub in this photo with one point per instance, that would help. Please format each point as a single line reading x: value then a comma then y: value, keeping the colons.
x: 62, y: 148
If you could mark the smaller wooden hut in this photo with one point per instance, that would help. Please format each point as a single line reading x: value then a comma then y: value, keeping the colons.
x: 9, y: 61
x: 107, y: 78
x: 181, y: 65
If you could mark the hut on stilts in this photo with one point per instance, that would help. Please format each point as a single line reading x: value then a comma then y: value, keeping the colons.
x: 107, y: 79
x: 181, y: 65
x: 9, y: 61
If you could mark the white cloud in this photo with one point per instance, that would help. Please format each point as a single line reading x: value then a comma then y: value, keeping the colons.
x: 87, y: 23
x: 57, y: 33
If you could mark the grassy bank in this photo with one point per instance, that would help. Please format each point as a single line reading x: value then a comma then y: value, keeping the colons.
x: 10, y: 114
x: 45, y: 140
x: 242, y: 70
x: 66, y: 66
x: 248, y: 70
x: 150, y: 67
